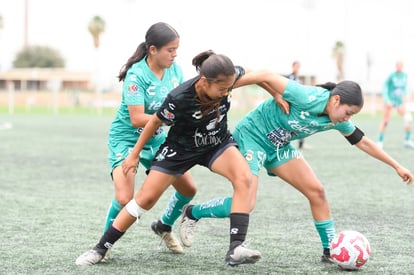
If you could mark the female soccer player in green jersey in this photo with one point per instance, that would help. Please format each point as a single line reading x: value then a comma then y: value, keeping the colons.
x: 265, y: 138
x: 148, y: 76
x: 395, y: 96
x: 199, y: 135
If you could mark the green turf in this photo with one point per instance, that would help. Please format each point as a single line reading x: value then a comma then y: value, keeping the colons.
x: 55, y: 189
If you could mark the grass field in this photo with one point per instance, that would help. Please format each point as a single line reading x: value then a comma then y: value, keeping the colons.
x: 55, y: 189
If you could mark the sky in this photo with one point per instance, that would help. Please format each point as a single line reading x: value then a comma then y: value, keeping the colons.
x: 257, y: 34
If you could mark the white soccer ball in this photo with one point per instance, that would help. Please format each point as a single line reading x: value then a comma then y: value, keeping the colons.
x: 350, y: 250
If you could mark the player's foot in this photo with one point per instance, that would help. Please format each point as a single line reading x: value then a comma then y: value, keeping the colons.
x: 90, y: 257
x: 380, y: 145
x: 170, y: 241
x: 326, y: 256
x: 242, y: 255
x: 187, y: 227
x: 409, y: 144
x: 105, y: 258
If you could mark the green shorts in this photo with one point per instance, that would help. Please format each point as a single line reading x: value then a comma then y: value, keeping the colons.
x: 260, y: 153
x: 396, y: 101
x: 120, y: 149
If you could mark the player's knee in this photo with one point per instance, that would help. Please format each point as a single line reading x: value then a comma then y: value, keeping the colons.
x: 244, y: 180
x: 252, y: 204
x: 318, y: 194
x: 134, y: 209
x: 123, y: 199
x: 191, y: 190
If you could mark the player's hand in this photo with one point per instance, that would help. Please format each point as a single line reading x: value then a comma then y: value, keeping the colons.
x: 406, y: 175
x: 130, y: 164
x: 283, y: 104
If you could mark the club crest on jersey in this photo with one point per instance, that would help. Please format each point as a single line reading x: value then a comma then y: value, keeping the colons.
x: 214, y: 122
x: 164, y: 91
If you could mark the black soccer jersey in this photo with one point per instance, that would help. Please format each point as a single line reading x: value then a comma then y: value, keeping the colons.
x: 189, y: 130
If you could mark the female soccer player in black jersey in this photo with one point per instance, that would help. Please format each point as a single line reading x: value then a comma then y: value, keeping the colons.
x: 197, y: 113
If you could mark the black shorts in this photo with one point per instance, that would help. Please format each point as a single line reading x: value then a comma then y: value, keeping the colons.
x: 173, y: 161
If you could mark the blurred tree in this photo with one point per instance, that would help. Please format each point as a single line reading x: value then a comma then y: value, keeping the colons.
x: 338, y: 52
x: 96, y: 27
x: 1, y: 22
x: 40, y: 57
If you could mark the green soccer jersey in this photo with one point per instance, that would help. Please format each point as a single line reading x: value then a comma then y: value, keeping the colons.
x: 395, y: 88
x: 142, y: 87
x: 270, y: 126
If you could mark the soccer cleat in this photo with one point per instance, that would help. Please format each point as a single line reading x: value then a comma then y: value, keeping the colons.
x: 326, y: 259
x: 170, y: 241
x: 409, y: 144
x: 326, y: 256
x: 90, y: 257
x: 242, y: 255
x: 105, y: 258
x: 187, y: 227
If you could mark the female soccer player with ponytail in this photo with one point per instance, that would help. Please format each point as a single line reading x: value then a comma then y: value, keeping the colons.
x: 199, y: 135
x: 265, y: 138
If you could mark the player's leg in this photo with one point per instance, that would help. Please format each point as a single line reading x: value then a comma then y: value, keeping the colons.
x: 123, y: 184
x: 185, y: 191
x: 219, y: 207
x: 124, y: 191
x: 300, y: 175
x: 232, y: 165
x: 407, y: 118
x: 384, y: 123
x: 153, y: 187
x: 216, y: 208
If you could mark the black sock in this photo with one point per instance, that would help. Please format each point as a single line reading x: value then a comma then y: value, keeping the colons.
x: 108, y: 239
x: 327, y: 252
x: 189, y: 213
x: 239, y: 222
x: 163, y: 227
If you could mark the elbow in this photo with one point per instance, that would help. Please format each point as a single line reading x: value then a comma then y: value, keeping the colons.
x: 136, y: 123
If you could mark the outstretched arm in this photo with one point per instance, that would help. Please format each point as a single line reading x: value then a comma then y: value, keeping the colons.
x: 273, y: 83
x: 369, y: 147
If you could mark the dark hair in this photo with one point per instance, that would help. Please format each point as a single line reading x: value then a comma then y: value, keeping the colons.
x: 212, y: 66
x: 349, y: 92
x: 159, y: 35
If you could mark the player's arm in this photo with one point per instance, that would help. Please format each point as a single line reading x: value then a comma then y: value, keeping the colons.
x: 138, y: 116
x: 133, y: 93
x: 273, y: 83
x: 358, y: 138
x: 283, y: 104
x: 149, y: 130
